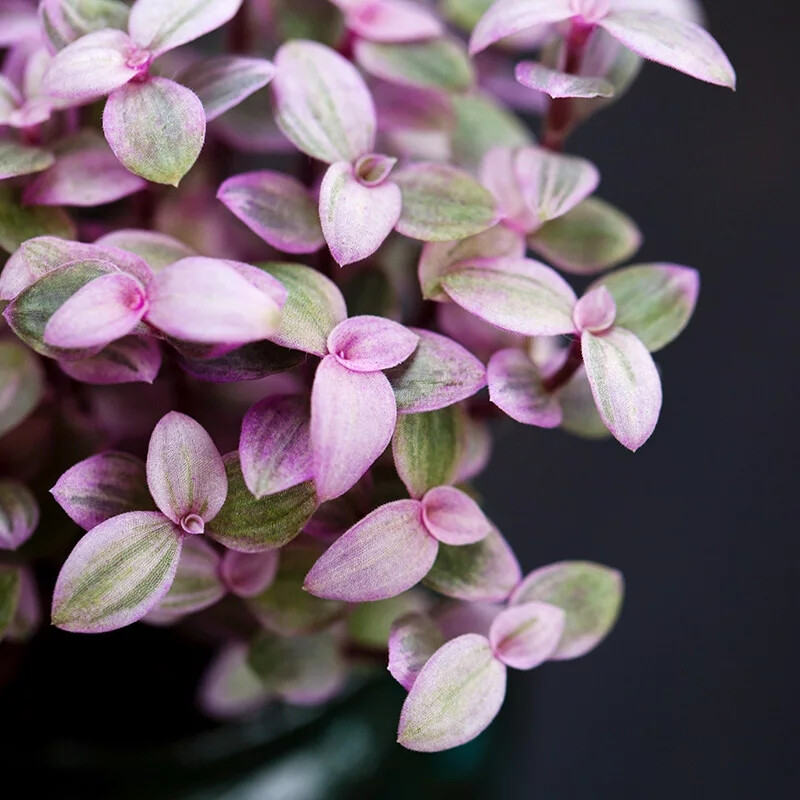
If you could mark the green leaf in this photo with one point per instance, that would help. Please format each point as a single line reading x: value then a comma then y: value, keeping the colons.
x: 432, y: 64
x: 64, y: 21
x: 19, y: 223
x: 442, y: 203
x: 427, y: 448
x: 654, y: 301
x: 370, y: 623
x: 17, y: 159
x: 591, y: 237
x: 285, y: 607
x: 21, y: 383
x: 248, y: 525
x: 590, y: 594
x: 10, y: 587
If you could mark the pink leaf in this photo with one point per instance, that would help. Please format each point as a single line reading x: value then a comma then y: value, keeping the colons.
x: 453, y: 517
x: 275, y: 445
x: 103, y: 310
x: 352, y: 421
x: 508, y: 17
x: 499, y: 175
x: 518, y: 295
x: 525, y: 636
x: 561, y: 84
x: 276, y: 207
x: 249, y: 574
x: 209, y: 301
x: 393, y: 21
x: 370, y: 344
x: 101, y: 487
x: 625, y: 384
x: 116, y: 573
x: 595, y: 311
x: 128, y: 360
x: 386, y: 553
x: 161, y: 26
x: 156, y: 128
x: 674, y: 42
x: 356, y: 219
x: 91, y: 67
x: 516, y: 387
x: 185, y: 472
x: 322, y: 104
x: 412, y: 641
x: 455, y: 696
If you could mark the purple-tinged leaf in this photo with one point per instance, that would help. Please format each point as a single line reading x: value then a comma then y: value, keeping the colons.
x: 210, y: 301
x: 19, y: 514
x: 132, y: 359
x: 249, y: 574
x: 517, y: 295
x: 453, y: 517
x: 369, y: 624
x: 304, y: 670
x: 591, y: 237
x: 442, y: 203
x: 457, y: 618
x: 476, y: 449
x: 101, y: 487
x: 516, y: 387
x: 156, y: 128
x: 389, y: 551
x: 197, y: 584
x: 285, y: 608
x: 595, y: 311
x: 439, y: 257
x: 19, y: 22
x: 276, y: 207
x: 224, y: 81
x: 393, y: 21
x: 105, y: 309
x: 314, y: 307
x: 625, y: 384
x: 248, y: 363
x: 117, y: 573
x: 524, y: 636
x: 654, y: 301
x: 352, y: 421
x: 672, y: 41
x: 10, y: 591
x: 499, y: 175
x: 229, y: 688
x: 370, y: 344
x: 439, y: 373
x: 64, y: 21
x: 275, y: 445
x: 440, y: 63
x: 479, y: 337
x: 508, y: 17
x: 455, y: 696
x: 185, y: 472
x: 590, y: 594
x: 552, y: 184
x: 248, y: 525
x: 427, y: 448
x: 19, y: 223
x: 157, y: 250
x: 414, y: 638
x: 161, y: 26
x: 356, y: 219
x: 484, y: 571
x: 92, y: 66
x: 86, y: 173
x: 322, y: 104
x: 580, y: 414
x: 22, y: 383
x: 561, y: 84
x: 18, y: 159
x: 28, y: 614
x: 31, y: 310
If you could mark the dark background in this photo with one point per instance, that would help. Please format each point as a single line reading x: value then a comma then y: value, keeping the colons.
x: 695, y: 694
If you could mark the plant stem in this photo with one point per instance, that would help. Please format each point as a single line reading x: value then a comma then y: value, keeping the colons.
x: 558, y: 121
x: 571, y: 365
